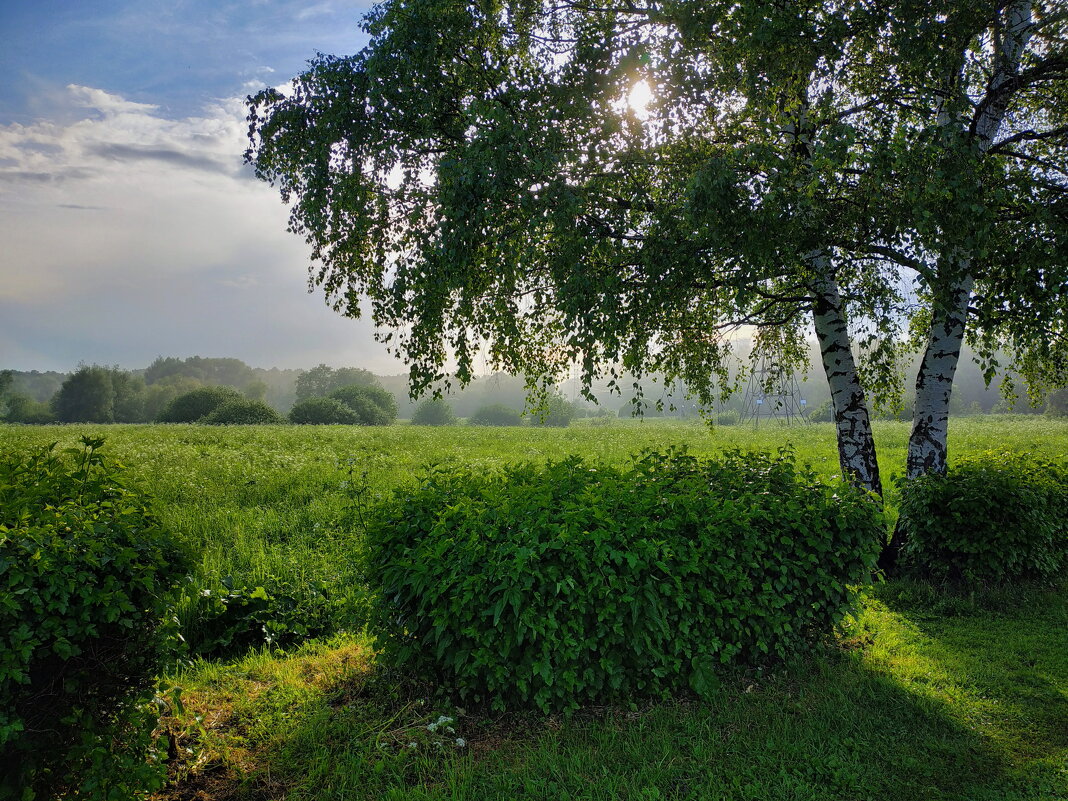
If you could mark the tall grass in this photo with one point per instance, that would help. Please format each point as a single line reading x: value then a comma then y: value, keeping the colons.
x: 263, y: 504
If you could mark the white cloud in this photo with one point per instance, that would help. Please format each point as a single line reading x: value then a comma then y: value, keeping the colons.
x: 98, y: 99
x: 127, y: 234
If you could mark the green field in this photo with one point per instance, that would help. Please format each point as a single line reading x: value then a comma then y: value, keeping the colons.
x: 921, y: 697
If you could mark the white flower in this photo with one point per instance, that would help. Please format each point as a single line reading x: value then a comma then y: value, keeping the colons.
x: 460, y: 742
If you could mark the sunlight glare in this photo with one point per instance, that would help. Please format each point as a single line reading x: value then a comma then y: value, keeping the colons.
x: 641, y: 95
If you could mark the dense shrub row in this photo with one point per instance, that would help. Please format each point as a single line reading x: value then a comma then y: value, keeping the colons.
x: 556, y: 586
x: 495, y: 414
x: 994, y: 518
x: 86, y: 575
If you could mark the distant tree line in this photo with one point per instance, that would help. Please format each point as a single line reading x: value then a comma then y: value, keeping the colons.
x: 352, y: 395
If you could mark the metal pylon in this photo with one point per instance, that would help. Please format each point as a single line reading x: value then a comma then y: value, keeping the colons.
x: 773, y: 394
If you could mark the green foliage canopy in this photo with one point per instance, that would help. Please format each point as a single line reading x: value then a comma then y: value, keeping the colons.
x: 476, y: 172
x: 495, y: 414
x: 433, y: 412
x: 95, y: 394
x: 322, y: 380
x: 194, y: 405
x: 241, y: 411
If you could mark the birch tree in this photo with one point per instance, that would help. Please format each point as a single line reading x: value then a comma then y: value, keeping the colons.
x: 988, y: 195
x: 479, y: 174
x: 488, y: 174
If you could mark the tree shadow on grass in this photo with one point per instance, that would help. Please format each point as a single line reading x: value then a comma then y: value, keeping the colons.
x: 836, y: 727
x: 928, y: 699
x: 999, y: 660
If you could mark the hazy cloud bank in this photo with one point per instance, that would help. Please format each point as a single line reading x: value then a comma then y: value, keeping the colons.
x: 128, y: 234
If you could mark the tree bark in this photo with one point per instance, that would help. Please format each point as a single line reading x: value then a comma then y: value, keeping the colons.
x: 934, y: 382
x: 856, y: 445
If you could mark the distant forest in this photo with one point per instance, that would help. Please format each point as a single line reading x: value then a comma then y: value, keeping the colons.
x: 140, y: 395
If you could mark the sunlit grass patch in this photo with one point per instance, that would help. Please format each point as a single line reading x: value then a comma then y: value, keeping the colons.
x: 967, y: 705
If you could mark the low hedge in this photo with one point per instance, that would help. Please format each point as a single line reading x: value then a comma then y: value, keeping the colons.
x: 495, y: 414
x: 87, y: 576
x: 322, y: 411
x: 572, y: 583
x: 993, y: 518
x: 197, y: 404
x: 242, y: 412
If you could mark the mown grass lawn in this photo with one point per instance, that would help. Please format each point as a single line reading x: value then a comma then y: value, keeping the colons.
x: 920, y: 697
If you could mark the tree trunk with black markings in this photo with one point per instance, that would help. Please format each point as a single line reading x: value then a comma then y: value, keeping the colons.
x: 934, y: 385
x: 934, y: 382
x: 856, y: 445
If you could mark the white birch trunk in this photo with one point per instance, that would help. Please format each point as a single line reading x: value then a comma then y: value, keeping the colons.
x: 934, y: 385
x: 934, y: 382
x: 856, y: 445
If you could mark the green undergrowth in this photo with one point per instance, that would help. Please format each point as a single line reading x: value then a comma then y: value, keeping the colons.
x: 919, y: 698
x: 270, y: 506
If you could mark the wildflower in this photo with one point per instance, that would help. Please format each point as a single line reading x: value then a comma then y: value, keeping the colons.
x: 444, y: 720
x: 460, y: 742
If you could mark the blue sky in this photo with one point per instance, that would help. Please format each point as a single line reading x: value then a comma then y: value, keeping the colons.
x: 175, y: 54
x: 131, y: 227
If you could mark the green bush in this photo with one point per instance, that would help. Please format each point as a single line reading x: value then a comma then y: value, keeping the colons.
x: 727, y: 417
x: 374, y: 406
x: 233, y: 618
x: 192, y: 406
x: 823, y: 413
x: 242, y: 412
x: 86, y: 577
x: 572, y: 583
x: 24, y: 409
x: 433, y: 412
x: 994, y: 518
x: 496, y: 414
x: 558, y: 413
x: 322, y: 411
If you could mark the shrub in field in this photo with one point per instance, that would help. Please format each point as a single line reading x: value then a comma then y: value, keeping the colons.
x: 322, y: 411
x: 234, y: 618
x: 496, y: 414
x: 433, y: 412
x: 994, y: 518
x: 728, y: 417
x: 558, y: 414
x: 24, y: 409
x: 571, y: 583
x: 823, y: 413
x: 192, y: 406
x: 87, y: 574
x: 242, y: 412
x: 373, y: 406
